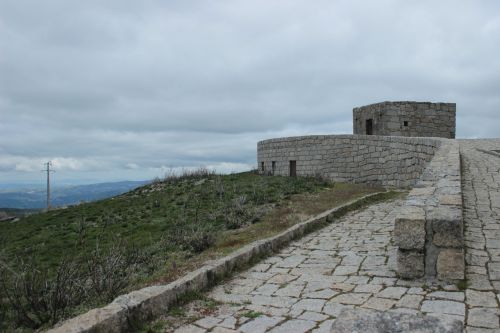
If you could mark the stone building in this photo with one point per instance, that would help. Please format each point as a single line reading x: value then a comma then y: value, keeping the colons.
x: 422, y: 119
x: 391, y: 145
x: 395, y: 144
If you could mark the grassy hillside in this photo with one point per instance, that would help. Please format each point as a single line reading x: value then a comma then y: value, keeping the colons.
x: 62, y: 262
x: 17, y: 212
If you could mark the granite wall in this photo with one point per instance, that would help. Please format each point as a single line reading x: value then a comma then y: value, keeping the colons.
x: 387, y: 161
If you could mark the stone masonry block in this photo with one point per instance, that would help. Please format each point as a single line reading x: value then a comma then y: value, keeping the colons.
x: 409, y: 228
x: 450, y: 264
x: 447, y: 226
x: 451, y: 199
x: 410, y: 264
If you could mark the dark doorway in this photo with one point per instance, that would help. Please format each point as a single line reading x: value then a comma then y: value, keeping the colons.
x: 273, y: 166
x: 369, y: 126
x: 293, y: 168
x: 262, y: 166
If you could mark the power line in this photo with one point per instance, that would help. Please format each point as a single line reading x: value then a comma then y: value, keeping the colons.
x: 48, y: 170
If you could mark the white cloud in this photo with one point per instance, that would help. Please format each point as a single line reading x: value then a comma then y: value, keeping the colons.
x: 132, y: 166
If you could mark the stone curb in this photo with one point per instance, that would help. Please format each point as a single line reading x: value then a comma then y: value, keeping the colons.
x: 127, y: 310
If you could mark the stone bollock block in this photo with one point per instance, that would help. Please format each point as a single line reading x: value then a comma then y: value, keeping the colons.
x: 409, y: 228
x: 450, y: 264
x: 447, y: 226
x: 410, y: 264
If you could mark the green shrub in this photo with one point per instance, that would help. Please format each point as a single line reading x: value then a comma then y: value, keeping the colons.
x: 200, y: 240
x: 172, y: 176
x: 36, y: 299
x: 237, y: 213
x: 192, y: 238
x: 109, y: 272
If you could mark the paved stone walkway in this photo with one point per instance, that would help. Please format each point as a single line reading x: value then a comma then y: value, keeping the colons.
x: 351, y: 264
x: 481, y: 195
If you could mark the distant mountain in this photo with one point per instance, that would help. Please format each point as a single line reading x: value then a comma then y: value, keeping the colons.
x: 35, y: 198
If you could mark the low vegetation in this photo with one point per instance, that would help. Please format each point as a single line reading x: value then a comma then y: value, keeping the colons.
x: 57, y: 264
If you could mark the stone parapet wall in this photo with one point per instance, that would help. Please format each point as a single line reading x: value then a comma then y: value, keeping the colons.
x: 418, y: 119
x: 387, y: 161
x: 429, y: 227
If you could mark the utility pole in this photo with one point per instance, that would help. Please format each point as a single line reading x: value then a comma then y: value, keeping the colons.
x: 47, y: 169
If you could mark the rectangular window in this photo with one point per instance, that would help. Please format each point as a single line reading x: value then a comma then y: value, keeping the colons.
x: 262, y: 166
x: 293, y: 168
x: 405, y: 123
x: 273, y: 166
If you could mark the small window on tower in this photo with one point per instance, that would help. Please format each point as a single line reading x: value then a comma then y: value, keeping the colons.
x: 405, y: 123
x: 293, y: 168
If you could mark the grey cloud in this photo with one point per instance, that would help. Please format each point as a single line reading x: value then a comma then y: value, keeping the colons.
x: 181, y: 83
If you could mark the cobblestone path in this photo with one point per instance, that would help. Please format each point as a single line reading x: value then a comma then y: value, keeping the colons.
x: 481, y: 195
x: 351, y: 264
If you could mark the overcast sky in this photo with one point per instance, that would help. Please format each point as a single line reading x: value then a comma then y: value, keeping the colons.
x: 121, y: 89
